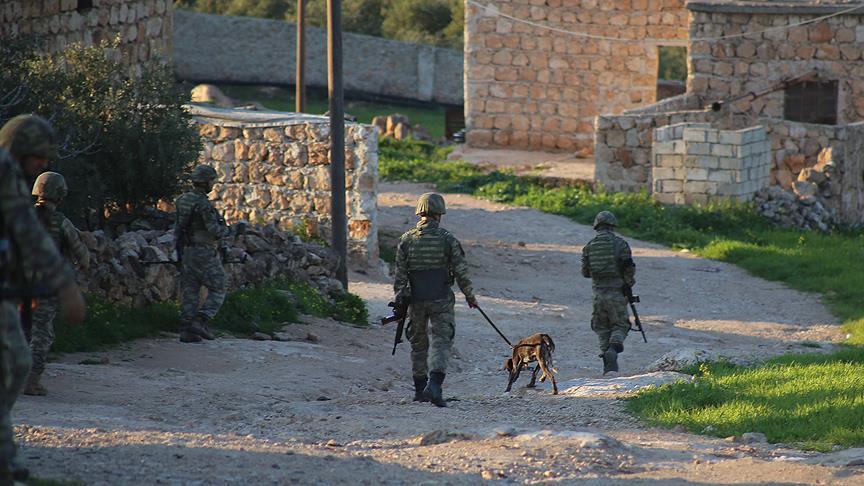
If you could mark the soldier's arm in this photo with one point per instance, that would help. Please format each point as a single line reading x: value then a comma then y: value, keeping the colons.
x: 213, y: 222
x: 77, y: 247
x: 37, y: 251
x: 626, y: 263
x: 400, y: 285
x: 181, y: 216
x: 459, y: 267
x: 586, y: 266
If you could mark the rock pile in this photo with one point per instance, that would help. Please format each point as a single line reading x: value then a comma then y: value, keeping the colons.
x: 400, y: 127
x: 807, y: 204
x: 126, y: 269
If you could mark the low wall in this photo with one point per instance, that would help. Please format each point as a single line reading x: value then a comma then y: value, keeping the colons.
x: 694, y: 163
x: 220, y: 48
x: 275, y: 167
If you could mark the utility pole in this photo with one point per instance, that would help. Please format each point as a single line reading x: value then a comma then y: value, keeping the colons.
x: 300, y: 76
x: 337, y: 138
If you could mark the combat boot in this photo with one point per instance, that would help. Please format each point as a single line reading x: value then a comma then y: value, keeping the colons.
x: 419, y: 386
x: 433, y: 391
x: 199, y: 326
x: 33, y: 387
x: 186, y: 336
x: 610, y: 360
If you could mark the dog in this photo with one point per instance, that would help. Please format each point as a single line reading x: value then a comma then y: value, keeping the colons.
x: 536, y: 348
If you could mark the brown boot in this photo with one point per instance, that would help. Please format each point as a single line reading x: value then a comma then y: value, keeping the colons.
x: 33, y: 387
x: 199, y: 326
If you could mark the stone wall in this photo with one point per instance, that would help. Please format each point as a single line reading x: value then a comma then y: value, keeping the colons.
x: 219, y: 48
x: 275, y: 168
x: 530, y: 87
x: 694, y: 163
x: 143, y: 26
x: 730, y: 67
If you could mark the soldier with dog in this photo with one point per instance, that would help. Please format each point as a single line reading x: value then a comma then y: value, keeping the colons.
x: 428, y: 260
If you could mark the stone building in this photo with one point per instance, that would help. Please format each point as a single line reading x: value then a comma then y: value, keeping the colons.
x: 143, y: 26
x: 754, y: 64
x: 534, y: 87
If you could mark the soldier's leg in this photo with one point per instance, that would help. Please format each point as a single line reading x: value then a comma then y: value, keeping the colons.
x: 190, y: 288
x: 419, y: 339
x: 214, y: 280
x: 14, y: 368
x: 619, y: 322
x: 442, y: 329
x: 599, y: 323
x: 41, y: 339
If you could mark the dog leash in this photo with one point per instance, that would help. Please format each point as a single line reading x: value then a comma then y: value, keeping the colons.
x: 495, y: 327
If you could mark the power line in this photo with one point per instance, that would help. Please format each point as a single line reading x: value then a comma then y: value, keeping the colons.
x: 496, y: 12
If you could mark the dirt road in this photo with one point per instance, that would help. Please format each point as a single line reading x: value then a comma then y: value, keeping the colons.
x: 338, y: 410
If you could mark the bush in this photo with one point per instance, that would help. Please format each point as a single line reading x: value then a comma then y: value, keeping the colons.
x: 125, y: 140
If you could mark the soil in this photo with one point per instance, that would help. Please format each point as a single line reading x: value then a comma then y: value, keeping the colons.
x: 335, y: 407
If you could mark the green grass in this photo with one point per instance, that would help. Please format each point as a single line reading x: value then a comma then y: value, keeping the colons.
x: 776, y: 398
x: 431, y: 117
x: 263, y: 308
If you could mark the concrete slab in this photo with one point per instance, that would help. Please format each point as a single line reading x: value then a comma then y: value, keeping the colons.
x: 544, y: 164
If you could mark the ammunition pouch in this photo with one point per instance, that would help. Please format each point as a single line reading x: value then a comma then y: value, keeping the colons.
x: 429, y: 285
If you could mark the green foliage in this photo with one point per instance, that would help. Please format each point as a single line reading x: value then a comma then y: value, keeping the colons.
x: 811, y: 401
x: 344, y: 307
x: 124, y: 140
x: 437, y: 22
x: 673, y: 63
x: 264, y: 308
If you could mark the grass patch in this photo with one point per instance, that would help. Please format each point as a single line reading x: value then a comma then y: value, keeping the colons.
x: 809, y: 401
x: 814, y: 401
x: 263, y: 308
x: 431, y: 116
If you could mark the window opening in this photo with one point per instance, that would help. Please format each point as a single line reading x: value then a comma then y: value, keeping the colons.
x: 671, y: 71
x: 84, y: 5
x: 812, y: 102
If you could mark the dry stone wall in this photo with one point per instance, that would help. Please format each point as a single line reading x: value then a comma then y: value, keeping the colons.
x: 694, y: 163
x: 734, y: 66
x: 530, y: 87
x: 275, y: 168
x: 144, y: 27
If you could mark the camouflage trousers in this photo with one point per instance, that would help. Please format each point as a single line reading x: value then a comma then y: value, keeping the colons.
x: 14, y: 368
x: 42, y: 333
x: 610, y: 319
x: 201, y: 268
x: 431, y: 328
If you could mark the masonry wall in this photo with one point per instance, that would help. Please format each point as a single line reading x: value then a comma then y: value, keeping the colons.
x: 221, y: 48
x: 730, y: 67
x: 695, y: 163
x: 143, y: 26
x: 529, y: 87
x: 275, y: 168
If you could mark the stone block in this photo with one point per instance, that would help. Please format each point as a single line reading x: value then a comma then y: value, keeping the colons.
x: 731, y: 163
x: 694, y: 135
x: 731, y: 138
x: 703, y: 162
x: 720, y: 176
x: 669, y: 161
x: 698, y: 148
x: 665, y: 198
x: 722, y: 150
x: 694, y: 174
x: 663, y: 173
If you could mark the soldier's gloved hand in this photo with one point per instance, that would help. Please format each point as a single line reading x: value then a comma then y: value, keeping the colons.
x: 72, y: 304
x: 472, y: 301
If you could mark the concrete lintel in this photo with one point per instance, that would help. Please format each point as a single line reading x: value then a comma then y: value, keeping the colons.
x: 788, y: 7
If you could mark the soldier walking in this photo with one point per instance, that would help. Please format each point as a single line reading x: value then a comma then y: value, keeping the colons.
x: 428, y: 259
x: 50, y: 189
x: 197, y: 231
x: 607, y: 261
x: 27, y: 143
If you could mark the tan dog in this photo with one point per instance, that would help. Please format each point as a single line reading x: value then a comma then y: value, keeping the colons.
x: 536, y: 348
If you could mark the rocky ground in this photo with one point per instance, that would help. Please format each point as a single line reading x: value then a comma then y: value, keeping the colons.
x: 334, y: 407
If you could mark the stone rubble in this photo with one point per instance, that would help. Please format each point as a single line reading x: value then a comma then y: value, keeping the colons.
x: 400, y: 127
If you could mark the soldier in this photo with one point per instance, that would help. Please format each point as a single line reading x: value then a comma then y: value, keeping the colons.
x: 197, y: 231
x: 27, y: 143
x: 607, y: 260
x: 50, y: 189
x: 428, y: 258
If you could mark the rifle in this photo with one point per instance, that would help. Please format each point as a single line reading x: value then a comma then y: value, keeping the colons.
x: 633, y: 299
x: 400, y: 313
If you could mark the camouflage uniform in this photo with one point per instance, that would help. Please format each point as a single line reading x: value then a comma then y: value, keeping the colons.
x: 50, y: 189
x: 428, y: 259
x: 607, y: 260
x: 198, y: 228
x: 27, y: 248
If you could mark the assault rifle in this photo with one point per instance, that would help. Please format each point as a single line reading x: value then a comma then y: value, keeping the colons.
x: 633, y: 299
x: 400, y: 313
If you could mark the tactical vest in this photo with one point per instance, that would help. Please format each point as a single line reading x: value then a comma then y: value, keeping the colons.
x: 428, y: 264
x: 52, y: 220
x: 603, y: 256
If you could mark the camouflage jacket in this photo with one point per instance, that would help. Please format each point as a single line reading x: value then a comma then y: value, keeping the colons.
x: 28, y: 247
x: 607, y: 260
x: 428, y: 246
x: 64, y: 233
x: 197, y: 220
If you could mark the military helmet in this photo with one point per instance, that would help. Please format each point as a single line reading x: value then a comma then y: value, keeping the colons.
x: 431, y: 203
x: 605, y: 218
x: 50, y: 185
x: 29, y: 135
x: 203, y: 174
